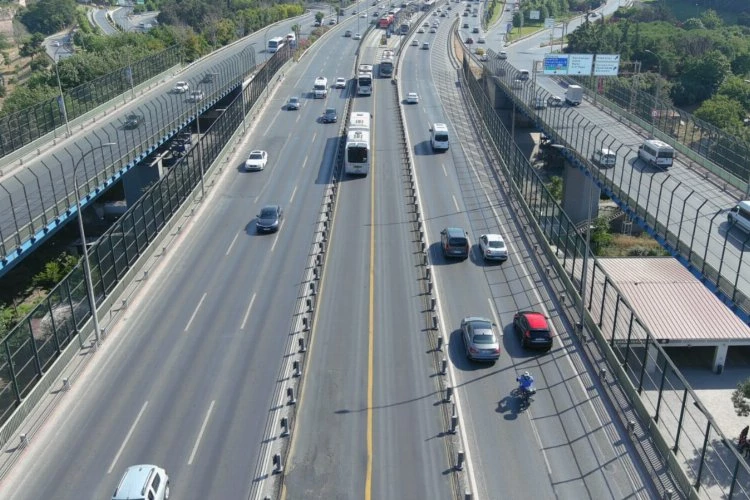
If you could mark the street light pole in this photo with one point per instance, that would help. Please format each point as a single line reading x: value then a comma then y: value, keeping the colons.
x: 86, y: 264
x: 62, y: 97
x: 656, y: 94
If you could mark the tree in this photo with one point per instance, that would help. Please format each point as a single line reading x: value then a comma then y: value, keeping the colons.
x: 319, y: 16
x: 49, y: 16
x: 693, y: 24
x: 721, y: 111
x: 711, y: 19
x: 701, y: 77
x: 600, y: 235
x: 741, y: 397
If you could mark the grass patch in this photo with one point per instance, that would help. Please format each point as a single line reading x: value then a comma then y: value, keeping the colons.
x: 525, y: 31
x: 624, y: 245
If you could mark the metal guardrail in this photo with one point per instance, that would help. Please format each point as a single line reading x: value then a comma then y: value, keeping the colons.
x: 706, y: 463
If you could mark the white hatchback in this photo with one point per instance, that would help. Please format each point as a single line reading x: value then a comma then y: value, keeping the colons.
x: 412, y: 98
x: 493, y: 247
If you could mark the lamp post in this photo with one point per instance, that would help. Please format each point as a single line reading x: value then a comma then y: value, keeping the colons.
x: 656, y: 93
x: 62, y: 97
x: 86, y: 264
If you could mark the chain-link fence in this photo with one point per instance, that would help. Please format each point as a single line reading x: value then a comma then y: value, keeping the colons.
x: 728, y: 152
x: 27, y: 125
x: 662, y: 396
x: 691, y: 222
x: 29, y: 349
x: 40, y: 196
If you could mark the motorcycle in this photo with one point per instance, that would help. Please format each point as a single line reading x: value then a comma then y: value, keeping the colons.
x: 526, y: 389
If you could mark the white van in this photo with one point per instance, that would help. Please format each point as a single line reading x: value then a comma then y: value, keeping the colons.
x: 143, y: 482
x: 604, y: 157
x: 739, y: 216
x: 656, y: 153
x: 523, y: 74
x: 439, y: 137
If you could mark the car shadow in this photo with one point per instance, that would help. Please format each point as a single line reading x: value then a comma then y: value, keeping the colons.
x: 512, y: 344
x: 423, y: 148
x: 735, y: 236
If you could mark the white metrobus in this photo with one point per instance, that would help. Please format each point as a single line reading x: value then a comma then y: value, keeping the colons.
x: 364, y: 79
x: 656, y: 153
x: 357, y: 151
x: 275, y: 44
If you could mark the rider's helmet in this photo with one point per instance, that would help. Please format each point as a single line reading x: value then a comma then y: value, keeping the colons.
x: 526, y: 374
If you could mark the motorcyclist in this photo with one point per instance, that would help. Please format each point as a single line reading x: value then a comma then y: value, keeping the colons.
x: 525, y: 382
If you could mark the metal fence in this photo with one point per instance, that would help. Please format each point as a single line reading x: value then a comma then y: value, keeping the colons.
x: 711, y: 463
x: 40, y: 196
x: 728, y: 152
x: 27, y: 125
x: 33, y: 345
x: 691, y: 223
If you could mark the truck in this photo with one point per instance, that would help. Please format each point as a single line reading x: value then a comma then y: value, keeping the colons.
x: 574, y: 95
x: 320, y: 87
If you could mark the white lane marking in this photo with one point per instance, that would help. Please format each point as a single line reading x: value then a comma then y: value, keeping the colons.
x: 304, y: 162
x: 455, y: 203
x: 192, y: 317
x: 291, y: 199
x: 247, y: 313
x: 494, y: 313
x: 276, y: 238
x: 127, y: 438
x: 200, y: 434
x: 232, y: 243
x: 445, y: 172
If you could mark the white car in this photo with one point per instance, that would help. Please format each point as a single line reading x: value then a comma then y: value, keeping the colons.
x: 412, y: 98
x: 197, y: 96
x: 481, y: 40
x: 340, y: 83
x: 357, y: 36
x: 363, y: 15
x: 56, y: 43
x: 181, y: 87
x: 420, y: 30
x: 256, y: 161
x: 415, y: 43
x: 502, y: 55
x: 493, y: 247
x: 433, y: 30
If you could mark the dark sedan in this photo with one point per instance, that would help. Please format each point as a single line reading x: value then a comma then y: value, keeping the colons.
x: 330, y: 116
x: 133, y: 121
x: 269, y: 219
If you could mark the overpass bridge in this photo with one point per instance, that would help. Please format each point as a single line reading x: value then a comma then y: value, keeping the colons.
x: 37, y: 197
x: 682, y: 207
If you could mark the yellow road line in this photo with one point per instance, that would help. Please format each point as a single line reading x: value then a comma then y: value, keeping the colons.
x: 371, y: 324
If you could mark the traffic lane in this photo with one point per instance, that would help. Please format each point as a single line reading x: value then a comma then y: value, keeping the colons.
x: 328, y: 457
x: 100, y: 18
x: 410, y: 456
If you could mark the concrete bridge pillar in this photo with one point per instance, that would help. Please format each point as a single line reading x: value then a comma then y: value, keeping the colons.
x: 579, y: 192
x: 140, y: 178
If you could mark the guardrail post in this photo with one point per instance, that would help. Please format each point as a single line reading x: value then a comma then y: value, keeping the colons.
x: 284, y: 427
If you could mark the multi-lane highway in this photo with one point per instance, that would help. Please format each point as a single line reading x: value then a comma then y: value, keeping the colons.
x: 568, y: 437
x: 186, y: 379
x: 370, y: 423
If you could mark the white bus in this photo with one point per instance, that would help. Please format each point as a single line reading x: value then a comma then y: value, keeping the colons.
x: 386, y: 64
x: 357, y: 151
x: 320, y: 88
x: 275, y: 44
x: 364, y: 80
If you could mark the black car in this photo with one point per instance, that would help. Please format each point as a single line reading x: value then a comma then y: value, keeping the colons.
x: 209, y: 77
x: 133, y: 121
x: 330, y: 116
x: 269, y: 219
x: 454, y: 242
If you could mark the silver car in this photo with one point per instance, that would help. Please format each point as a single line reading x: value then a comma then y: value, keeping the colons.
x: 480, y: 340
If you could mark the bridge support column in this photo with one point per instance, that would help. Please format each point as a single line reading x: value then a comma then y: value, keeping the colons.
x: 577, y: 191
x: 720, y: 358
x: 652, y: 358
x: 140, y: 178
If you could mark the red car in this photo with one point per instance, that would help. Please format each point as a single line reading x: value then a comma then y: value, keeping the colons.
x: 534, y: 330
